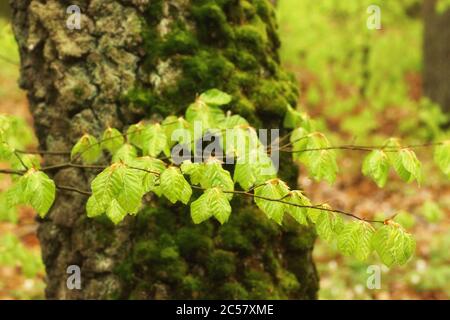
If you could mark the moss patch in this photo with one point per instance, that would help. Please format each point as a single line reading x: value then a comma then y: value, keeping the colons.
x: 230, y: 45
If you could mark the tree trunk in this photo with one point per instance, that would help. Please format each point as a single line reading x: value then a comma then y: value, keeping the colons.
x: 437, y: 55
x: 135, y: 59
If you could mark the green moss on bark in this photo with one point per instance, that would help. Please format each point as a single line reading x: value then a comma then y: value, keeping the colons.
x: 230, y: 45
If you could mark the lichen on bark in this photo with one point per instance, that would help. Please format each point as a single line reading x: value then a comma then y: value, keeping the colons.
x: 138, y: 58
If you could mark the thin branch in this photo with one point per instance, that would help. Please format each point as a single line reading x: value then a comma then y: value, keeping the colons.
x: 245, y: 193
x: 16, y: 172
x: 292, y: 142
x: 43, y: 152
x: 20, y: 159
x: 281, y: 200
x: 256, y: 187
x: 366, y: 148
x: 145, y: 170
x: 67, y: 153
x: 305, y: 206
x: 286, y: 136
x: 73, y: 189
x: 125, y: 135
x: 73, y: 165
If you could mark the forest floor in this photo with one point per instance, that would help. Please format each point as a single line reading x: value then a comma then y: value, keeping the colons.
x: 425, y: 210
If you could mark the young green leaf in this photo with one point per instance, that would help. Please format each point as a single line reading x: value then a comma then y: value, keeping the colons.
x: 115, y: 212
x: 299, y: 140
x: 311, y: 150
x: 112, y: 140
x: 233, y: 121
x: 40, y: 191
x: 376, y: 166
x: 150, y: 170
x: 292, y: 118
x: 240, y: 141
x: 315, y: 213
x: 135, y: 135
x: 214, y: 176
x: 328, y: 224
x: 131, y: 192
x: 355, y: 239
x: 34, y: 188
x: 254, y: 168
x: 125, y: 153
x: 207, y: 116
x: 94, y: 207
x: 194, y: 170
x: 174, y: 186
x: 117, y: 190
x: 24, y: 161
x: 407, y: 166
x: 269, y: 199
x: 176, y: 130
x: 404, y: 161
x: 324, y: 167
x: 213, y: 203
x: 215, y: 97
x: 442, y: 157
x: 88, y: 148
x: 245, y: 174
x: 393, y: 244
x: 298, y: 213
x: 6, y: 151
x: 392, y: 145
x: 105, y: 187
x: 155, y: 141
x: 295, y: 119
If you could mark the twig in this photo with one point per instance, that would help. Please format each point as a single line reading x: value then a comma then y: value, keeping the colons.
x: 281, y: 200
x: 43, y: 152
x: 145, y: 170
x: 73, y: 165
x: 20, y: 159
x: 256, y: 187
x: 16, y: 172
x: 365, y: 148
x: 72, y: 189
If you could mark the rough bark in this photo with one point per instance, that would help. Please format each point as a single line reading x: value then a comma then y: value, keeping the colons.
x: 138, y: 58
x: 437, y: 55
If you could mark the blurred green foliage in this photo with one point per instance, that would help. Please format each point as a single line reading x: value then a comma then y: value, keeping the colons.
x: 13, y: 252
x: 364, y: 85
x: 351, y: 72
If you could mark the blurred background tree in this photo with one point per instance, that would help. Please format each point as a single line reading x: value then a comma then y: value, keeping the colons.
x: 436, y: 75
